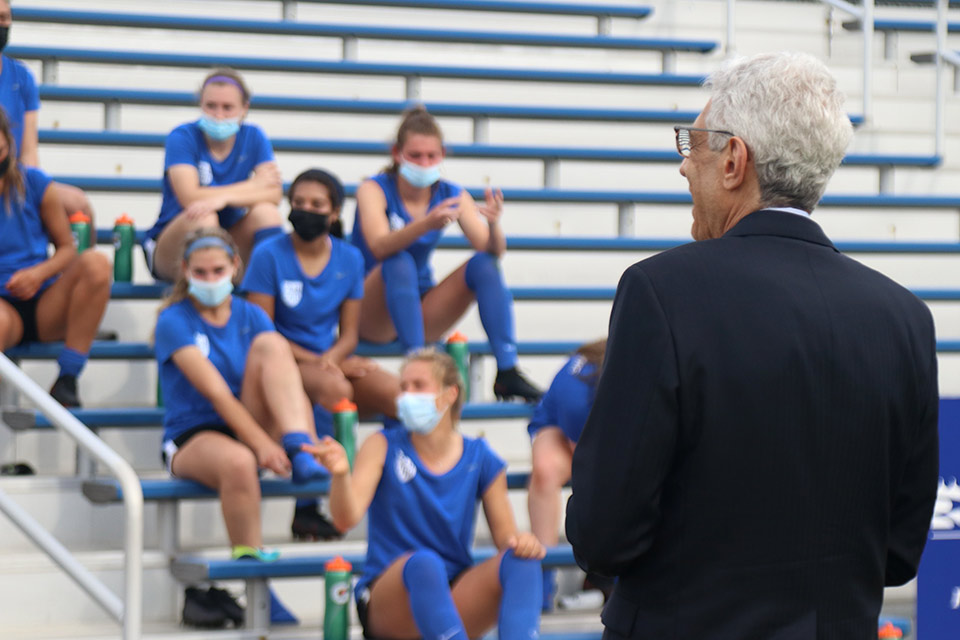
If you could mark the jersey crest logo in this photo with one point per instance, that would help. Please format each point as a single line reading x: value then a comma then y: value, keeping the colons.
x: 404, y: 468
x: 396, y: 222
x: 203, y: 343
x: 292, y: 292
x: 206, y: 173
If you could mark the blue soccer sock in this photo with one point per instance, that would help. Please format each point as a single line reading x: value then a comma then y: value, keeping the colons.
x: 267, y: 232
x: 425, y: 579
x: 549, y: 587
x: 400, y: 281
x: 305, y: 466
x: 323, y: 421
x: 71, y: 362
x: 522, y: 582
x: 496, y: 307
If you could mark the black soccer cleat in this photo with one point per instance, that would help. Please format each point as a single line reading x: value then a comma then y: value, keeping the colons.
x: 310, y: 524
x: 230, y: 607
x: 64, y: 391
x: 200, y: 611
x: 510, y: 383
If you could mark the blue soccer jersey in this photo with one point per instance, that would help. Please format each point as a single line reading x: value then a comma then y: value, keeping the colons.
x: 567, y: 402
x: 306, y: 310
x: 23, y: 238
x: 180, y: 325
x: 187, y: 145
x: 18, y: 95
x: 422, y: 248
x: 415, y: 509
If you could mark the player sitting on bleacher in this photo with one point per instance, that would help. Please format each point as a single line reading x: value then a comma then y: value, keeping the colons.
x: 401, y: 214
x: 421, y: 485
x: 217, y: 171
x: 554, y: 430
x: 310, y: 283
x: 44, y: 298
x: 20, y: 99
x: 234, y: 398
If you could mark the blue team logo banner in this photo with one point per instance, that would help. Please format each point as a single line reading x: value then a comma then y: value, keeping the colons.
x: 938, y: 585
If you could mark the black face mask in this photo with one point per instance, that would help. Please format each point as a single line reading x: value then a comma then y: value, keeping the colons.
x: 308, y: 225
x: 4, y: 36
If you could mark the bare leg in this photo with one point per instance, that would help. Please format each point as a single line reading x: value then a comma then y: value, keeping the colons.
x: 477, y: 594
x: 72, y: 308
x: 272, y: 388
x: 224, y: 464
x: 374, y: 390
x: 389, y: 615
x: 446, y: 303
x: 169, y: 251
x: 260, y: 216
x: 324, y: 386
x: 75, y: 199
x: 375, y: 322
x: 552, y: 461
x: 11, y: 326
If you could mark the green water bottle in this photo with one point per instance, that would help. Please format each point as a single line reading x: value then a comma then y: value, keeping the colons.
x: 459, y: 350
x: 124, y: 237
x: 345, y: 420
x: 336, y: 616
x: 80, y: 228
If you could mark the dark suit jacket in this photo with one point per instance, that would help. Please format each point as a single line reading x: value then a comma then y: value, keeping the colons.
x: 761, y: 458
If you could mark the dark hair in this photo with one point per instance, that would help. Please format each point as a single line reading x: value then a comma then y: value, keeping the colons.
x: 232, y: 76
x: 593, y: 353
x: 334, y: 188
x: 415, y: 120
x: 14, y: 188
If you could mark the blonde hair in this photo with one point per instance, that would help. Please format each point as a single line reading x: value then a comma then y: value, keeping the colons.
x: 445, y: 372
x: 180, y: 287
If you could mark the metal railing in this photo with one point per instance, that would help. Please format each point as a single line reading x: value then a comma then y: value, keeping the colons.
x: 864, y: 15
x: 128, y: 610
x: 942, y: 55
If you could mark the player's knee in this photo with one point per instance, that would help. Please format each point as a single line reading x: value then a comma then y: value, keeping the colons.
x: 269, y: 345
x: 400, y: 267
x: 521, y: 571
x: 548, y: 472
x: 94, y: 268
x: 239, y: 471
x: 424, y: 567
x: 482, y: 266
x: 264, y: 214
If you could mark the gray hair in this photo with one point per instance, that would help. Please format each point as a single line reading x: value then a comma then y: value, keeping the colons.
x: 787, y: 108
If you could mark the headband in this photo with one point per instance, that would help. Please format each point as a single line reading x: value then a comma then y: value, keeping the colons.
x: 207, y: 242
x: 226, y: 80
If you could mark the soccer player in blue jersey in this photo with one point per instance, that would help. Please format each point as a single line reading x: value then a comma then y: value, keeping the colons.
x: 233, y: 393
x: 45, y: 297
x: 420, y: 487
x: 310, y: 283
x: 554, y: 430
x: 401, y: 214
x: 217, y: 171
x: 20, y: 100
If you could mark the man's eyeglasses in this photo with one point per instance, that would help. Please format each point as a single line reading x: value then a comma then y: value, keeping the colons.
x: 683, y: 137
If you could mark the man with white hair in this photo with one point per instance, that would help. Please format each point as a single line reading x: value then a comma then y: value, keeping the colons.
x: 761, y: 457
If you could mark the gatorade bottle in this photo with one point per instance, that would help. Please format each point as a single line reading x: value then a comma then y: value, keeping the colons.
x: 336, y: 617
x: 459, y: 350
x: 80, y: 227
x: 124, y: 238
x: 889, y: 632
x: 345, y: 420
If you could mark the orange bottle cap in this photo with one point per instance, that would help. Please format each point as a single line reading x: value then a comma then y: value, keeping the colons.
x: 338, y: 564
x: 79, y: 216
x: 889, y: 631
x: 344, y: 405
x: 456, y: 336
x: 124, y: 219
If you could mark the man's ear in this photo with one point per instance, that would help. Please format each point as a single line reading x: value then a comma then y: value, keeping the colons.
x: 735, y: 163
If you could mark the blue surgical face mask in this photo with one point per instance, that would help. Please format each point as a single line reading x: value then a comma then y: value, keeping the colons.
x: 210, y: 293
x: 218, y: 129
x: 418, y: 412
x: 419, y: 176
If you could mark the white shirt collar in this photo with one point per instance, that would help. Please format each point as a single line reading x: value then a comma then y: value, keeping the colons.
x: 799, y: 212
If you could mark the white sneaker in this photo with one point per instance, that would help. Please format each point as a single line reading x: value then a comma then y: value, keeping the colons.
x: 582, y: 601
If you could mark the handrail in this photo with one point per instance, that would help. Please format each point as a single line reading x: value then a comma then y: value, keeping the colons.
x: 129, y: 610
x: 865, y: 16
x: 943, y: 54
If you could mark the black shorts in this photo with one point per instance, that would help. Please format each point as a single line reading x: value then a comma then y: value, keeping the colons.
x: 170, y: 447
x: 362, y: 610
x: 27, y: 310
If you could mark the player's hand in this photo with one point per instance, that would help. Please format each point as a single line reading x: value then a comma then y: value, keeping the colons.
x: 357, y: 367
x: 492, y: 208
x: 525, y: 545
x: 444, y: 213
x: 271, y: 455
x: 330, y: 454
x: 25, y: 283
x: 204, y: 206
